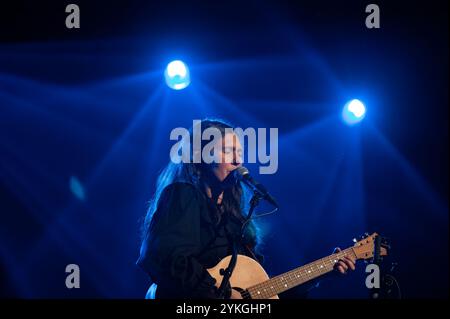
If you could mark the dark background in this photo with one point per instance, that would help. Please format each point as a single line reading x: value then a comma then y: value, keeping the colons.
x: 75, y: 103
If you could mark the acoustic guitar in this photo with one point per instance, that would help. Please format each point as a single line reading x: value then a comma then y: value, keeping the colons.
x: 251, y: 280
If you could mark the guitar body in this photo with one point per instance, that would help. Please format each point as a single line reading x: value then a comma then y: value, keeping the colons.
x: 247, y: 273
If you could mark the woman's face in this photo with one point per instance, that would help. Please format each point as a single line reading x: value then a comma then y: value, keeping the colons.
x: 229, y: 158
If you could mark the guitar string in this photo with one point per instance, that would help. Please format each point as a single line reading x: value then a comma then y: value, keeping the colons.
x: 299, y: 277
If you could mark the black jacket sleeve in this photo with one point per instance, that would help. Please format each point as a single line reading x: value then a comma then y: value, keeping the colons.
x: 171, y: 243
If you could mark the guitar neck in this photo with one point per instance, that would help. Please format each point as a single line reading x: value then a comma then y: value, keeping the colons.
x: 297, y: 276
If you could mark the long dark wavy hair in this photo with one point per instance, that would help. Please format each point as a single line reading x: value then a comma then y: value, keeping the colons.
x: 235, y: 199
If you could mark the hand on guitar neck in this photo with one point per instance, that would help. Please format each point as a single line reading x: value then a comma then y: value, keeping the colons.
x: 344, y: 264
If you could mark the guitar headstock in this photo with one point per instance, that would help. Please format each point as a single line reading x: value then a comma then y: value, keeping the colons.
x: 364, y: 248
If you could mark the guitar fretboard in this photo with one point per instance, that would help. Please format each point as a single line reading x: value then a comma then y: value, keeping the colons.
x: 297, y: 276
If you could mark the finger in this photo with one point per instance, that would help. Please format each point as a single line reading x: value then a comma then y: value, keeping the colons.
x: 352, y: 264
x: 352, y: 259
x: 336, y: 250
x: 349, y: 264
x: 343, y: 265
x: 340, y: 269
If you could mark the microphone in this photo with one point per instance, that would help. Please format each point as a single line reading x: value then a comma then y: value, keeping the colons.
x: 244, y: 175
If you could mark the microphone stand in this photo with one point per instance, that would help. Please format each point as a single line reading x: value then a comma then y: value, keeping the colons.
x: 226, y: 273
x: 387, y: 279
x: 375, y: 292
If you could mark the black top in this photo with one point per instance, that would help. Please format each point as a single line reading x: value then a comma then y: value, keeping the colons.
x: 184, y: 240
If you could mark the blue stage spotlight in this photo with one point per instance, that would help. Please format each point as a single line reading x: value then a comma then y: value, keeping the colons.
x: 177, y: 75
x: 354, y: 111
